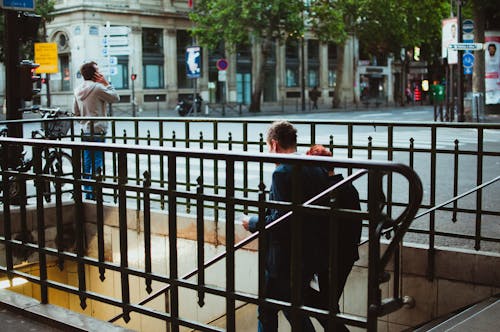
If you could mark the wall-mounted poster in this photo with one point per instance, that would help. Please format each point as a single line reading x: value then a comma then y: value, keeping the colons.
x: 492, y: 67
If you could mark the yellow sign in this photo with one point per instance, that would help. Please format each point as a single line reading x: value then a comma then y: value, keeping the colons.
x: 46, y: 57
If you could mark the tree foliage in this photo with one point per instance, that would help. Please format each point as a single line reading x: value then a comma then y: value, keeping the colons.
x: 256, y: 22
x: 383, y: 27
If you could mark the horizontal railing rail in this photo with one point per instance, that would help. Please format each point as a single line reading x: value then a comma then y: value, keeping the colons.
x: 173, y: 191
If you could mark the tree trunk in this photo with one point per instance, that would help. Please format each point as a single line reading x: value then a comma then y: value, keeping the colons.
x: 264, y: 49
x: 337, y: 94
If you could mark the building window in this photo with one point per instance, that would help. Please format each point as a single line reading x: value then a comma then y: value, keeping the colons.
x: 120, y: 80
x: 153, y: 76
x: 65, y: 72
x: 292, y: 63
x: 312, y: 63
x: 152, y: 58
x: 332, y: 64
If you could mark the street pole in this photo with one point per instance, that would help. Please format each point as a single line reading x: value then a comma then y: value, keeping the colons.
x: 460, y: 74
x: 302, y: 75
x: 133, y: 97
x: 12, y: 80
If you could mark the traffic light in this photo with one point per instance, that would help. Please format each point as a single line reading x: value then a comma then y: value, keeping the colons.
x: 28, y: 25
x: 133, y: 77
x: 27, y: 77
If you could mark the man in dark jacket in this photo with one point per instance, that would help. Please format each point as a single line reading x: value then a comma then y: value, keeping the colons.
x: 282, y: 138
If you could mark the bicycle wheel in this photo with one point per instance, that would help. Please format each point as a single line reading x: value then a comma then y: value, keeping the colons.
x: 58, y: 164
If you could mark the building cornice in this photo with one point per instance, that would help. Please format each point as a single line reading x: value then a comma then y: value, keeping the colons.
x: 121, y: 10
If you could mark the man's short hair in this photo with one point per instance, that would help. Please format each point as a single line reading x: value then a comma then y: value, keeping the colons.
x: 88, y: 70
x: 492, y: 45
x: 284, y: 133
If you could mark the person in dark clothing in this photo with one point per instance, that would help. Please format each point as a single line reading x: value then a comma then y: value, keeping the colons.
x: 349, y: 235
x: 314, y: 94
x: 282, y: 138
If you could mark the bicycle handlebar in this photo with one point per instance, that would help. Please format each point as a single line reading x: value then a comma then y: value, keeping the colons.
x: 46, y: 111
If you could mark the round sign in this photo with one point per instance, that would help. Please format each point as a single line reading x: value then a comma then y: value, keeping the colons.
x: 467, y: 26
x: 468, y: 60
x: 222, y: 64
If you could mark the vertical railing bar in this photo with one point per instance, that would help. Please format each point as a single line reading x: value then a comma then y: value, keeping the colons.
x: 59, y: 214
x: 137, y: 165
x: 455, y: 180
x: 162, y: 163
x: 172, y: 240
x: 313, y: 133
x: 333, y: 266
x: 230, y: 260
x: 216, y: 172
x: 370, y: 143
x: 390, y: 157
x: 296, y: 251
x: 261, y: 224
x: 432, y: 230
x: 115, y: 170
x: 148, y: 143
x: 40, y: 219
x: 350, y: 143
x: 147, y: 228
x: 261, y: 164
x: 100, y: 224
x: 200, y: 240
x: 411, y: 151
x: 188, y: 164
x: 79, y: 223
x: 479, y: 193
x: 7, y: 217
x: 122, y: 222
x: 374, y: 215
x: 245, y: 164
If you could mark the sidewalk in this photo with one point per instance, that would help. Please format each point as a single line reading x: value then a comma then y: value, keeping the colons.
x: 120, y: 110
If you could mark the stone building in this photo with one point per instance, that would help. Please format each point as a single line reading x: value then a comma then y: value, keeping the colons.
x: 149, y: 38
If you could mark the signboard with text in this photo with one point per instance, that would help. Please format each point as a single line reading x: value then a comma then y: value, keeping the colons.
x: 46, y: 57
x: 18, y: 4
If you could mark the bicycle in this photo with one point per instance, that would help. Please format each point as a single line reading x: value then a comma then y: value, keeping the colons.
x: 57, y: 162
x: 22, y: 165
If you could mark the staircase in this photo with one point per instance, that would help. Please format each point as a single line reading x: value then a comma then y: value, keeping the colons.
x: 479, y: 317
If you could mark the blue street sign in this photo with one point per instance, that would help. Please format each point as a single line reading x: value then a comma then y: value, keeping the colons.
x: 467, y: 70
x: 193, y: 61
x: 468, y: 60
x: 468, y: 26
x: 18, y: 4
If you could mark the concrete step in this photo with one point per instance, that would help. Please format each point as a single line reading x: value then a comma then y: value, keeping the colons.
x: 22, y: 313
x: 480, y: 317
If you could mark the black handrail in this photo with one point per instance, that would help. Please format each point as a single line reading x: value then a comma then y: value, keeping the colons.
x: 436, y: 207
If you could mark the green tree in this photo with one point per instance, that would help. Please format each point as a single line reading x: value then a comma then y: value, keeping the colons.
x: 256, y: 22
x: 332, y: 21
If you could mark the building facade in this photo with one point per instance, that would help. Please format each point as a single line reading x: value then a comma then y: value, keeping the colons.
x: 149, y: 38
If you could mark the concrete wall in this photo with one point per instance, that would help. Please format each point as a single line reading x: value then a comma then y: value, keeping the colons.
x: 462, y: 277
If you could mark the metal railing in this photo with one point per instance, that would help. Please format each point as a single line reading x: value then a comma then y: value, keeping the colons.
x: 171, y: 192
x: 450, y: 157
